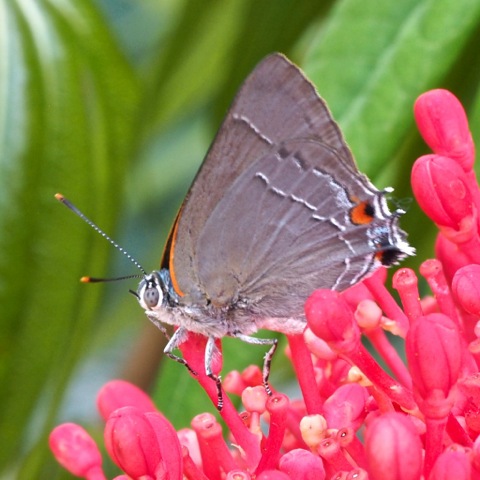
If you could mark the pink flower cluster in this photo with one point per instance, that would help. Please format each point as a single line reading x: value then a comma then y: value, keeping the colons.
x: 355, y: 421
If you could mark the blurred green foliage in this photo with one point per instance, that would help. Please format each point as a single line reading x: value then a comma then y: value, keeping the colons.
x: 114, y: 103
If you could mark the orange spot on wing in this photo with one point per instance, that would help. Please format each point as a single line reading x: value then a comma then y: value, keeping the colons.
x: 362, y: 213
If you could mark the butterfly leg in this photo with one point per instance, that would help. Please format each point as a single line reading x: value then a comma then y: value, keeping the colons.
x: 267, y: 360
x: 154, y: 320
x: 177, y: 339
x: 210, y: 351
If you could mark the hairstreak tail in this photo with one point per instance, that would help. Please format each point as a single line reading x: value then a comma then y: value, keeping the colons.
x: 277, y: 210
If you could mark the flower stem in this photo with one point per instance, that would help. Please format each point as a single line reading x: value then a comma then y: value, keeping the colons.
x: 302, y: 362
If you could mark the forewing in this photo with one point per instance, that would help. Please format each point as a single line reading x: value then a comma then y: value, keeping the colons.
x: 275, y: 103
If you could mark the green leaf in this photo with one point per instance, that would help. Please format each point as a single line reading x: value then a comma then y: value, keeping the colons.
x: 66, y: 95
x: 213, y: 47
x: 375, y: 58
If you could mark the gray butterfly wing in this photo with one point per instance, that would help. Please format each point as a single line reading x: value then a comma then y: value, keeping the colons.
x: 275, y: 103
x: 284, y: 228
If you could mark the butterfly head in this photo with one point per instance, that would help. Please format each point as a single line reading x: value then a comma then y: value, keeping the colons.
x: 149, y: 293
x: 155, y: 291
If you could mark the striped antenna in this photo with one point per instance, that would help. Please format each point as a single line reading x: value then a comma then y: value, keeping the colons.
x: 75, y: 210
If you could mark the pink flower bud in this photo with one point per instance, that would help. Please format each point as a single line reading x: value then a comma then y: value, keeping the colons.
x: 188, y: 438
x: 132, y: 442
x: 76, y: 451
x: 119, y: 393
x: 233, y: 383
x: 434, y: 353
x: 393, y: 448
x: 252, y: 375
x: 313, y: 429
x: 302, y: 465
x: 254, y: 399
x: 406, y: 283
x: 346, y: 407
x: 443, y: 124
x: 466, y: 288
x: 451, y: 255
x: 330, y: 318
x: 432, y: 271
x: 216, y: 456
x: 168, y: 443
x: 441, y: 188
x: 368, y: 315
x: 450, y: 465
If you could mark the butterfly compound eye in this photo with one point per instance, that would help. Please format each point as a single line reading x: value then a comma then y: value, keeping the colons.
x: 152, y: 296
x: 150, y: 293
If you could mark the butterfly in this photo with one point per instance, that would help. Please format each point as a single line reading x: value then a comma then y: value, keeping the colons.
x: 277, y: 210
